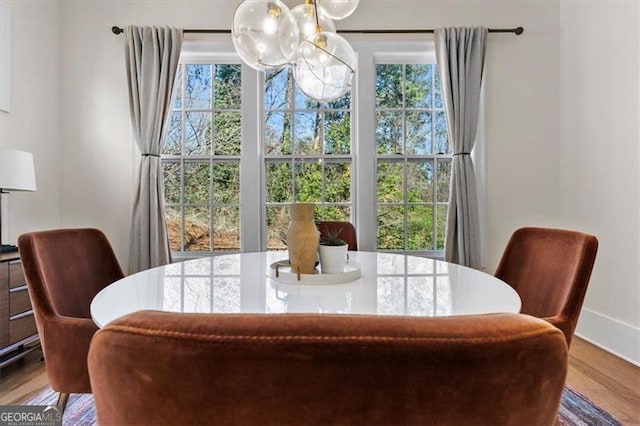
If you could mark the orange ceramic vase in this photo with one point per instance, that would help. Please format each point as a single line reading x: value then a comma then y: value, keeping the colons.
x: 302, y: 238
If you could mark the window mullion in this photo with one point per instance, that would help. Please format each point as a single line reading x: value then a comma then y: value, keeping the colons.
x: 251, y: 171
x: 364, y: 152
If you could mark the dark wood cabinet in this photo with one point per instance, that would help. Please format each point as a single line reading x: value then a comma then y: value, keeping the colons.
x: 18, y: 332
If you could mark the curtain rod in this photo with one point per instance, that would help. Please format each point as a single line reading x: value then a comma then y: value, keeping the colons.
x: 517, y: 31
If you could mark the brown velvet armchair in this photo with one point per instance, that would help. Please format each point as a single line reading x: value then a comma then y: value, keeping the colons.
x: 159, y: 368
x: 550, y: 270
x: 64, y: 270
x: 345, y: 230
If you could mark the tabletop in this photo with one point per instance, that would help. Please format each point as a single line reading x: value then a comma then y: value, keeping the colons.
x: 390, y: 284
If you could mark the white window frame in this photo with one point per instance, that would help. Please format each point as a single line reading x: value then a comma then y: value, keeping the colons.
x: 343, y: 158
x: 363, y: 126
x: 221, y: 52
x: 369, y: 54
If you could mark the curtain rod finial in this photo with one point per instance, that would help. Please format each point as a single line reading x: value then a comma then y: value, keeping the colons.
x: 116, y: 30
x: 519, y: 30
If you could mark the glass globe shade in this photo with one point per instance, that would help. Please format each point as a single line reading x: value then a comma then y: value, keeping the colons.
x: 264, y: 33
x: 339, y: 9
x: 324, y: 66
x: 305, y: 16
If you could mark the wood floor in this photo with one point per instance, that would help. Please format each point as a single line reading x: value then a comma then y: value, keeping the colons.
x: 613, y: 384
x: 610, y: 382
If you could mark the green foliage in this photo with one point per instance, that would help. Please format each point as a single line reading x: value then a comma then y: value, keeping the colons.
x: 331, y: 237
x: 408, y: 189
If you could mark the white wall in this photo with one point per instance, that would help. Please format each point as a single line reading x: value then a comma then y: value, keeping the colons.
x: 522, y: 114
x: 98, y: 173
x: 599, y: 173
x: 561, y: 151
x: 33, y: 123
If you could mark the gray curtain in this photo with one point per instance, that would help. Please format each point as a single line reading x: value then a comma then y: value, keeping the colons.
x: 460, y: 56
x: 152, y: 61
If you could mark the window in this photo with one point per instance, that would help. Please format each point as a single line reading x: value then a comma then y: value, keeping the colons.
x: 307, y: 154
x: 201, y: 159
x: 242, y: 145
x: 413, y: 158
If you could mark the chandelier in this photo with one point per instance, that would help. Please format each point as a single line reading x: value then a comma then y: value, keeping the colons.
x: 269, y: 36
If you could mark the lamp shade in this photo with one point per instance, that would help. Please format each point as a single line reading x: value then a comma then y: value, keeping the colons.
x: 16, y: 170
x: 339, y: 9
x: 305, y: 16
x: 264, y: 33
x: 324, y: 67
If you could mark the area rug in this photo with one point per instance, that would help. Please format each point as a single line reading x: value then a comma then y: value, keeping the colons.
x: 575, y: 409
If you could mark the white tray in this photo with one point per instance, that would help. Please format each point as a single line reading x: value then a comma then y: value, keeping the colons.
x: 282, y: 271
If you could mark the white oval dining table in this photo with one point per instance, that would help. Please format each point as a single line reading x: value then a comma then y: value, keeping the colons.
x: 390, y: 284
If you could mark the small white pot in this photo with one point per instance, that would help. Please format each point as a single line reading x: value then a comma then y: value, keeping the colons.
x: 333, y: 258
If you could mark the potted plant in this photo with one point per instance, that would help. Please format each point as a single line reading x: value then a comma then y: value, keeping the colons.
x: 333, y: 252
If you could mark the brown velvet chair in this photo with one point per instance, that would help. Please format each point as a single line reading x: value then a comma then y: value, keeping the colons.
x: 550, y: 270
x: 159, y: 368
x: 345, y: 230
x: 64, y: 270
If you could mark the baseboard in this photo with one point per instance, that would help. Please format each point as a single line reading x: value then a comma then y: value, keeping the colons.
x: 612, y: 335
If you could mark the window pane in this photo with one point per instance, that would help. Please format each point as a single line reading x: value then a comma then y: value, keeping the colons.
x: 197, y: 133
x: 420, y: 228
x: 441, y: 226
x: 337, y: 182
x: 228, y: 134
x: 226, y: 183
x: 437, y: 99
x: 339, y: 213
x: 390, y: 228
x: 228, y: 86
x: 418, y: 133
x: 277, y: 133
x: 198, y: 86
x: 174, y: 220
x: 341, y: 103
x: 337, y: 132
x: 389, y: 132
x: 173, y: 139
x: 444, y: 180
x: 390, y: 182
x: 442, y: 142
x: 277, y: 225
x: 308, y: 129
x: 196, y: 229
x: 420, y: 182
x: 278, y: 84
x: 226, y: 222
x: 196, y: 182
x: 278, y: 180
x: 388, y: 86
x: 177, y: 89
x: 418, y: 86
x: 308, y: 182
x: 171, y: 172
x: 302, y: 101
